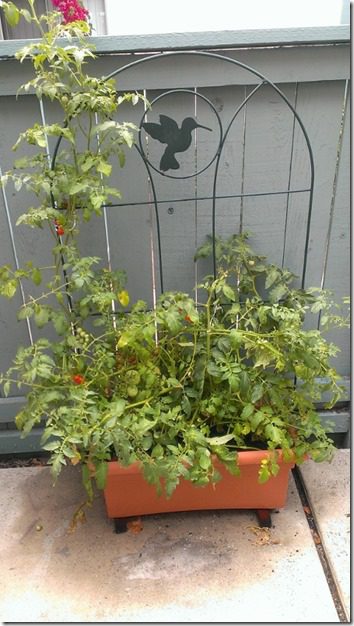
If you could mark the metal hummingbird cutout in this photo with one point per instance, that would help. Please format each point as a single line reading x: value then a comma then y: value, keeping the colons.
x: 177, y: 139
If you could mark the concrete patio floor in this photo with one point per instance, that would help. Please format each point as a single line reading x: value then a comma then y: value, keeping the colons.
x: 182, y: 567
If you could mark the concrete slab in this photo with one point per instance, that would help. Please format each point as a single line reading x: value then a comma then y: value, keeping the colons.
x: 328, y: 489
x: 182, y: 567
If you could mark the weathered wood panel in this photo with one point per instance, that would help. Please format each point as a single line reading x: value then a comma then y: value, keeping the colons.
x: 336, y: 262
x: 320, y: 106
x: 324, y: 137
x: 281, y: 65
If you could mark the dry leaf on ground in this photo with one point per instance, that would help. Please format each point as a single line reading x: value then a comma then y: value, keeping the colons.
x: 135, y: 526
x: 263, y: 536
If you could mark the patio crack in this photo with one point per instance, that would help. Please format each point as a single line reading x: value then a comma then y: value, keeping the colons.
x: 317, y: 540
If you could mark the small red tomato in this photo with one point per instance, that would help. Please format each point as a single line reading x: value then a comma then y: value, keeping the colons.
x: 58, y: 227
x: 78, y: 379
x: 187, y: 318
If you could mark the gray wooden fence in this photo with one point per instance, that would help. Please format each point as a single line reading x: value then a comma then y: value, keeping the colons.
x: 265, y: 153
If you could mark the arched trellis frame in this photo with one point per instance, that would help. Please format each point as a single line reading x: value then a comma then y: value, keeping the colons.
x: 153, y: 171
x: 263, y: 81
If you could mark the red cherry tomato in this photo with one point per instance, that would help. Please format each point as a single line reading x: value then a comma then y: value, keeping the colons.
x: 78, y: 379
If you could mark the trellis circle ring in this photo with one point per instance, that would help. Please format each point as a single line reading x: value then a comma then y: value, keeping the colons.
x: 170, y: 141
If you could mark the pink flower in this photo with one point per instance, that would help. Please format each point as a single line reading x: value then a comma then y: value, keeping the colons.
x: 72, y: 10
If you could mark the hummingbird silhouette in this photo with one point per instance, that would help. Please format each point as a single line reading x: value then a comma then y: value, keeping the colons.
x: 177, y: 139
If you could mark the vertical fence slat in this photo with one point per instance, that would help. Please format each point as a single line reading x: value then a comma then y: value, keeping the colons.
x: 345, y: 113
x: 337, y: 276
x: 319, y: 106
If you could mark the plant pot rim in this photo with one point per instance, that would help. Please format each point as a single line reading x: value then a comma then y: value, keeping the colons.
x: 244, y: 457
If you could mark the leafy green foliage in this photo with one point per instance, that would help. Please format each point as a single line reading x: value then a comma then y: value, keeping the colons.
x: 174, y: 386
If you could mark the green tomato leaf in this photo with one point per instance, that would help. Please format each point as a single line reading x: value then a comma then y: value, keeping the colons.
x: 124, y: 340
x: 213, y: 370
x: 117, y: 407
x: 235, y: 338
x: 41, y: 317
x: 86, y: 479
x: 59, y: 322
x: 123, y: 297
x: 247, y: 411
x: 244, y: 382
x: 36, y: 276
x: 263, y: 474
x: 256, y: 420
x: 24, y: 313
x: 12, y: 14
x: 204, y: 460
x: 51, y: 445
x: 277, y: 293
x: 26, y: 14
x: 101, y: 474
x: 219, y: 441
x: 257, y: 393
x: 157, y: 451
x: 272, y: 276
x: 6, y: 388
x: 228, y: 292
x: 121, y: 158
x: 104, y: 168
x: 9, y: 288
x: 273, y: 433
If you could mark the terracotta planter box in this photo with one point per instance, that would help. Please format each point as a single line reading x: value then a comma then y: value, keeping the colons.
x: 127, y: 494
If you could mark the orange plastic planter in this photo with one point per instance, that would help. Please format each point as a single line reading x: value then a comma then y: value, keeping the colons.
x: 128, y: 494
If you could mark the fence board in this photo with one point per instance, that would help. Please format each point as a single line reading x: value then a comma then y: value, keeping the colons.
x: 323, y: 130
x: 282, y: 65
x: 336, y: 272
